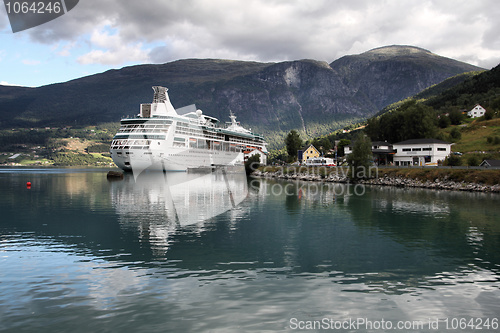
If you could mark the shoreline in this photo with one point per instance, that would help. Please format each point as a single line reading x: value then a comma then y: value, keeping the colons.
x: 438, y: 179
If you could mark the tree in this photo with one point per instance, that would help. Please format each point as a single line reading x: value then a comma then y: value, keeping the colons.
x: 373, y: 129
x: 342, y: 144
x: 420, y: 122
x: 455, y: 134
x: 453, y: 160
x: 293, y: 143
x: 456, y: 117
x: 473, y: 160
x: 252, y: 164
x: 444, y: 121
x: 411, y: 120
x: 495, y: 104
x: 322, y: 144
x: 361, y: 158
x: 488, y: 115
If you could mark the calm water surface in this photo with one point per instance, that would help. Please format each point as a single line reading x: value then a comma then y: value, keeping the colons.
x: 213, y: 253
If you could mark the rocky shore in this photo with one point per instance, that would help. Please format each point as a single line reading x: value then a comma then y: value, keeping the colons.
x: 439, y: 184
x: 382, y: 180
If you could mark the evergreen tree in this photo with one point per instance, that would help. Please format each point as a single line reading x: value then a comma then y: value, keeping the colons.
x: 360, y: 160
x: 342, y: 144
x: 252, y: 164
x: 444, y: 121
x: 293, y: 143
x: 411, y: 120
x: 456, y: 117
x: 322, y: 144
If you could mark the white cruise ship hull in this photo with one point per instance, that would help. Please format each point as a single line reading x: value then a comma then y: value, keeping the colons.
x: 173, y: 159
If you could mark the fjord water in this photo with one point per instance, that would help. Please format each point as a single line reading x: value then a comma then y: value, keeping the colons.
x: 215, y: 253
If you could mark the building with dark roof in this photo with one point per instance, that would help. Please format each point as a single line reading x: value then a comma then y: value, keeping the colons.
x: 421, y: 152
x: 490, y: 164
x: 382, y: 152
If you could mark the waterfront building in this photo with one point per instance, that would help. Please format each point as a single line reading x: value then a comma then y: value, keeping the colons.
x: 309, y: 152
x: 420, y: 152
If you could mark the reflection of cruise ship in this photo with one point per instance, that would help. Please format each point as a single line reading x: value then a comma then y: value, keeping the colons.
x: 159, y: 204
x: 163, y: 138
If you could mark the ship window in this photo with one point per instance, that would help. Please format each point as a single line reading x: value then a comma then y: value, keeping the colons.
x: 202, y: 144
x: 192, y: 143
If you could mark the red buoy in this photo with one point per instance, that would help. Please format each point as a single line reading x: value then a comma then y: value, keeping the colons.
x: 28, y: 185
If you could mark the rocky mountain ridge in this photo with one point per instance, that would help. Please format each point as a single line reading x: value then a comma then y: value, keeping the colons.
x: 272, y: 98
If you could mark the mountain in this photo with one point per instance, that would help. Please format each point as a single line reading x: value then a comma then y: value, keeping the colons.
x: 392, y: 73
x: 271, y: 98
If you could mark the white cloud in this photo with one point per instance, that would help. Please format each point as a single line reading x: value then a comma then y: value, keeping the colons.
x: 112, y: 49
x: 273, y: 30
x: 63, y: 49
x: 31, y: 62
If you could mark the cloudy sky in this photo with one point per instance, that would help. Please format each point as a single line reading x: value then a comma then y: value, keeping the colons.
x: 98, y: 35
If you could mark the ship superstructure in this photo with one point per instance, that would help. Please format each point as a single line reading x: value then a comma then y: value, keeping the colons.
x: 163, y: 138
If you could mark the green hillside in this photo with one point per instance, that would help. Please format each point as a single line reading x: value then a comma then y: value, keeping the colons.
x: 439, y: 112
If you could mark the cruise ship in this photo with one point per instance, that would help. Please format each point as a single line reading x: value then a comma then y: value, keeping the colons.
x: 167, y: 139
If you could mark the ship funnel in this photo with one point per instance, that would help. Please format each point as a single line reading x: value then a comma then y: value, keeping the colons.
x: 161, y: 105
x: 160, y: 95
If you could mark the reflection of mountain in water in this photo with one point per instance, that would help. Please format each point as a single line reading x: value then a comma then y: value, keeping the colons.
x: 158, y: 203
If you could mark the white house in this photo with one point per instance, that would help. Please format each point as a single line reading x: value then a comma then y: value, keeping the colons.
x: 420, y: 152
x: 477, y: 111
x: 254, y: 151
